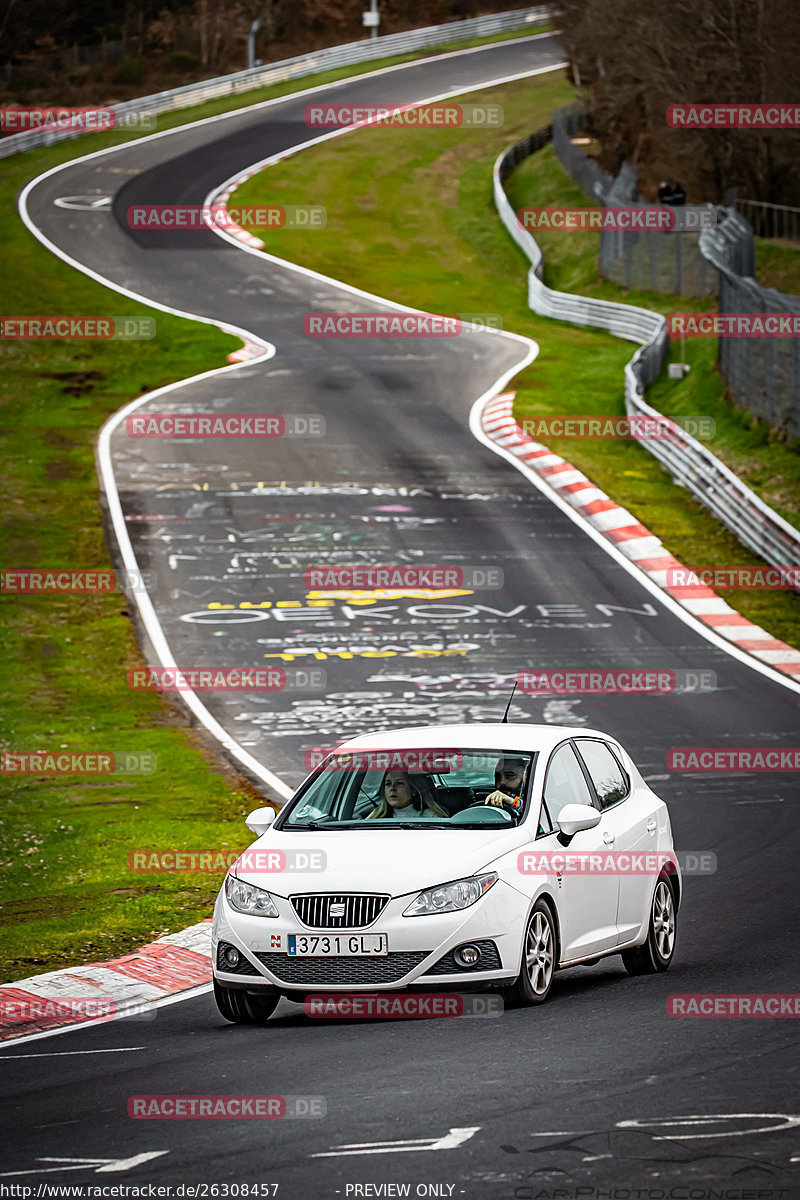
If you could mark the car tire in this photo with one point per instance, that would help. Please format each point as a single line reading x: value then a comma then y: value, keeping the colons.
x: 656, y: 953
x: 241, y: 1008
x: 539, y: 958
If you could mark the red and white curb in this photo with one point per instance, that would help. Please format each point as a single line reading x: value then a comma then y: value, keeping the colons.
x: 220, y: 206
x: 632, y: 538
x: 249, y: 349
x: 99, y: 991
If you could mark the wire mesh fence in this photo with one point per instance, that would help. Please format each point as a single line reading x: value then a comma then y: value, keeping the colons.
x: 761, y: 373
x: 654, y: 260
x: 688, y: 461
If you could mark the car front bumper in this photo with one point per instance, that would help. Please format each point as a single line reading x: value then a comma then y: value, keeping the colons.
x: 419, y: 948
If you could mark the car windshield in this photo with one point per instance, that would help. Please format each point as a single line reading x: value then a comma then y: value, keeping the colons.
x: 402, y: 788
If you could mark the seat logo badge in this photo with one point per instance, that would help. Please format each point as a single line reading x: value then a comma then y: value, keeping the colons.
x: 337, y: 909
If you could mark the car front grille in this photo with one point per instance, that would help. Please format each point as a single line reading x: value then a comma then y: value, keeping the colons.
x: 342, y: 972
x: 360, y: 909
x: 488, y: 961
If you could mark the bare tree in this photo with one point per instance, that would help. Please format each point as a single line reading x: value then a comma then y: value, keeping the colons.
x: 637, y: 57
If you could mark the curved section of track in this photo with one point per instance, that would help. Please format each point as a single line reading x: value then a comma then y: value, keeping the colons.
x: 228, y: 531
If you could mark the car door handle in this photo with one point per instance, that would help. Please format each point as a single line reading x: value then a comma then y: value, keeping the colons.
x: 652, y: 825
x: 608, y: 838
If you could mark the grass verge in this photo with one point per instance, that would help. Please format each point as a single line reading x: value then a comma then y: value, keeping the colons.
x: 66, y: 893
x: 418, y: 225
x: 778, y: 265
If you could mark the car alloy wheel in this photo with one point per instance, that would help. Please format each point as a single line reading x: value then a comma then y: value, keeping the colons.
x: 656, y: 953
x: 538, y: 958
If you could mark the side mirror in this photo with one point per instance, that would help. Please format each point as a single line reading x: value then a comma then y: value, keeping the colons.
x: 575, y: 817
x: 260, y: 820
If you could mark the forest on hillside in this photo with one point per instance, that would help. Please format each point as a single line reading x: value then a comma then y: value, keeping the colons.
x: 635, y: 58
x: 73, y: 51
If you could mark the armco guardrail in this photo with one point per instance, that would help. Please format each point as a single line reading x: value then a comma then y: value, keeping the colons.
x: 689, y: 462
x: 295, y: 68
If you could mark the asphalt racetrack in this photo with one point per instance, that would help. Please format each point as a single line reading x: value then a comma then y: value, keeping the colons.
x: 599, y: 1089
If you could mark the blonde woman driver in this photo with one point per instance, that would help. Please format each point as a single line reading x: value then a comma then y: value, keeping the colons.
x: 400, y: 791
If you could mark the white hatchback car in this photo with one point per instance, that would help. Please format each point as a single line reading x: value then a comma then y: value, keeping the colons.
x: 455, y: 858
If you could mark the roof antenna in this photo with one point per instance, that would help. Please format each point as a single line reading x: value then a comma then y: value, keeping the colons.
x: 508, y: 706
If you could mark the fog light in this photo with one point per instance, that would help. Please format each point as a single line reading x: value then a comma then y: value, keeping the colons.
x: 231, y: 956
x: 467, y: 956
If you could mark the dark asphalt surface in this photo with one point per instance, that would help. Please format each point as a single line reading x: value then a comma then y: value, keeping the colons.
x: 399, y: 478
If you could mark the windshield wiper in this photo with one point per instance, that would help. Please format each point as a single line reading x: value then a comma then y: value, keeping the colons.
x: 426, y: 824
x: 310, y: 825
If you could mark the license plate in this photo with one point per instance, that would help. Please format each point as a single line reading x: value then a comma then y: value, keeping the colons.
x: 337, y: 945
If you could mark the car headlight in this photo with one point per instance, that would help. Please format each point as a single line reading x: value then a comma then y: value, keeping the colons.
x: 246, y: 898
x: 450, y: 897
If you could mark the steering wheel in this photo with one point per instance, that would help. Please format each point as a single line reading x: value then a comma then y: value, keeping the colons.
x: 506, y: 805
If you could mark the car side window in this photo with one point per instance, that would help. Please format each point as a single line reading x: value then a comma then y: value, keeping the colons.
x: 565, y: 783
x: 610, y: 781
x: 544, y: 826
